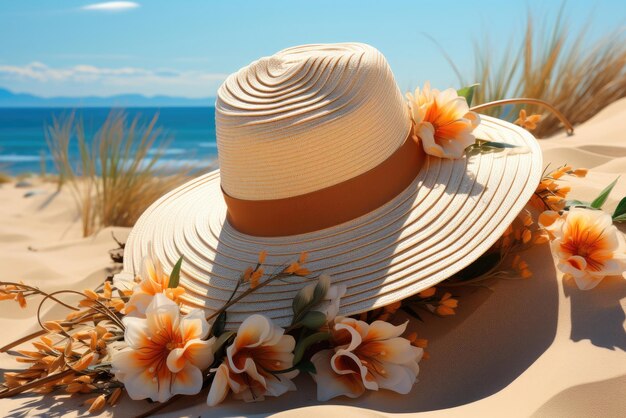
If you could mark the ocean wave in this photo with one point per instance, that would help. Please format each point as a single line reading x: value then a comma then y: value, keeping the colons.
x: 189, y: 162
x: 169, y: 151
x: 22, y: 158
x: 207, y: 144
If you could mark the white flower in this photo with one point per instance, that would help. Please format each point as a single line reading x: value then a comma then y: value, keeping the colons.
x: 586, y: 245
x: 259, y: 349
x: 365, y: 357
x: 166, y: 352
x: 443, y: 121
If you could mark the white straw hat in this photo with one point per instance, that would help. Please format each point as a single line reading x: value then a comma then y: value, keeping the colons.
x: 299, y: 134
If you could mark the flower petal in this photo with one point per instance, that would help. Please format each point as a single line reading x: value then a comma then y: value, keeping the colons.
x: 196, y: 352
x: 349, y: 332
x: 346, y: 362
x: 426, y: 132
x: 194, y: 325
x: 254, y: 331
x: 162, y: 314
x: 136, y: 332
x: 138, y: 381
x: 330, y: 384
x: 398, y: 378
x: 381, y: 330
x: 139, y: 301
x: 280, y: 384
x: 187, y: 381
x: 219, y: 388
x: 587, y: 281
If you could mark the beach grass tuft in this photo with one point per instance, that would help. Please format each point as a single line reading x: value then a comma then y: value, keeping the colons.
x: 554, y: 63
x: 117, y: 174
x: 5, y: 178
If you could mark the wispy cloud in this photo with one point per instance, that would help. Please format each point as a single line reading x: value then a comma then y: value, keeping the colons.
x: 111, y: 6
x: 91, y: 57
x: 39, y: 78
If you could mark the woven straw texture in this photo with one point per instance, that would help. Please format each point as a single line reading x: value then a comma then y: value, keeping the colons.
x: 286, y: 123
x: 450, y: 215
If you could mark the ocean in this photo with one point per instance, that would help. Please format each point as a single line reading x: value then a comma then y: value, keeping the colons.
x: 189, y: 133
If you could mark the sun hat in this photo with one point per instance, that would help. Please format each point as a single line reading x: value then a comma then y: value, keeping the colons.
x: 317, y: 154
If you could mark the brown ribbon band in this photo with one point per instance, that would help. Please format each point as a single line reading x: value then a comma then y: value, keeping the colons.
x: 332, y: 205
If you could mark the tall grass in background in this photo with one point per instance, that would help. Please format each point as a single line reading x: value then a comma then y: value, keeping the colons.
x: 116, y: 176
x: 553, y: 63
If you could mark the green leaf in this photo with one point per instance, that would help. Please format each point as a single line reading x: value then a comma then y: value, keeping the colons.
x: 302, y: 299
x: 482, y: 146
x: 313, y: 320
x: 222, y: 340
x: 175, y: 275
x: 573, y: 203
x: 307, y: 367
x: 321, y: 288
x: 604, y: 194
x: 499, y: 144
x: 309, y: 297
x: 468, y: 93
x: 620, y: 209
x: 219, y: 325
x: 302, y: 345
x: 621, y: 218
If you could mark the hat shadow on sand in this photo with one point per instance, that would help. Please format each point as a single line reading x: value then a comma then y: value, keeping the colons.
x: 494, y: 337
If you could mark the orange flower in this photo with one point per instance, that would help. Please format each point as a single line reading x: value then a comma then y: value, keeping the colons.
x: 255, y: 276
x: 166, y: 352
x: 153, y: 281
x: 447, y: 305
x: 427, y: 293
x: 443, y: 121
x: 365, y: 357
x: 296, y: 267
x: 587, y: 246
x: 527, y: 122
x: 549, y: 193
x: 259, y: 350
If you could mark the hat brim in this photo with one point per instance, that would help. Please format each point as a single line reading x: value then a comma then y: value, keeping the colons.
x: 450, y: 215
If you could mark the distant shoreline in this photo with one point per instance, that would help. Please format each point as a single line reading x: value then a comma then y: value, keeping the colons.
x: 121, y: 107
x: 189, y: 132
x: 13, y: 100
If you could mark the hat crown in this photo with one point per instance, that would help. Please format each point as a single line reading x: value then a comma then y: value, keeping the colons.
x: 307, y: 118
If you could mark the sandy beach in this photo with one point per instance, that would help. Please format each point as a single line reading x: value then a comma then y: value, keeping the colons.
x: 537, y: 347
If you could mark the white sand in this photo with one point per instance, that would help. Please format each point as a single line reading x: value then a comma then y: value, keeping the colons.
x: 536, y: 347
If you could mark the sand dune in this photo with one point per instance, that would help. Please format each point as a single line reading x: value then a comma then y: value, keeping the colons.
x: 536, y: 347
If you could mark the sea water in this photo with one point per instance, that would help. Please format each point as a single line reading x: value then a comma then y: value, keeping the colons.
x: 188, y: 132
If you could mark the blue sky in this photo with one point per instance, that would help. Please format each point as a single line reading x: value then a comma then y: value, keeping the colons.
x: 186, y: 48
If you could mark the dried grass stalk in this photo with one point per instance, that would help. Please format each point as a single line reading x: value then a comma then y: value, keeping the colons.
x: 555, y: 64
x: 117, y: 175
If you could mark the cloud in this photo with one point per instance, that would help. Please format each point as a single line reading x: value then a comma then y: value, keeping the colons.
x: 111, y: 6
x: 83, y: 80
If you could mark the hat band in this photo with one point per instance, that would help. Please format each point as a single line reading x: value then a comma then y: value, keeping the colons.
x: 332, y: 205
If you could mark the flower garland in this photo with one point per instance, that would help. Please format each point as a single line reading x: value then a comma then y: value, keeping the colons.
x: 133, y: 338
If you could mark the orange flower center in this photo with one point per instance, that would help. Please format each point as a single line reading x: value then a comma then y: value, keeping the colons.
x: 152, y: 356
x: 587, y: 243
